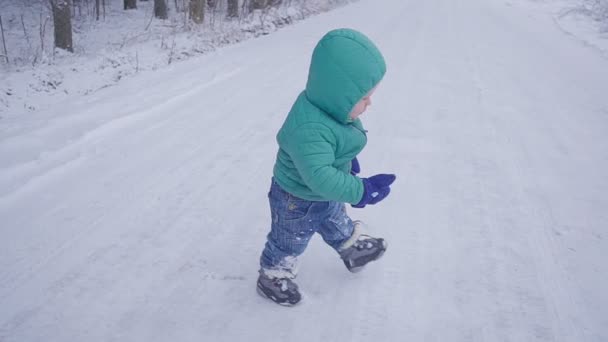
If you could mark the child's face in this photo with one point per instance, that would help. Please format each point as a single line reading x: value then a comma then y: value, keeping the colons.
x: 362, y: 105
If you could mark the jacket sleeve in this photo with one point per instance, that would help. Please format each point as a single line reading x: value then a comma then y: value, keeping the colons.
x: 312, y: 150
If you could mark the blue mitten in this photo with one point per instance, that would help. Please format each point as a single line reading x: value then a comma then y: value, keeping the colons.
x: 355, y: 168
x: 376, y: 188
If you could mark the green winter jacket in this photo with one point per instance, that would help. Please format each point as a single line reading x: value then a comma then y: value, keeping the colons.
x: 318, y: 140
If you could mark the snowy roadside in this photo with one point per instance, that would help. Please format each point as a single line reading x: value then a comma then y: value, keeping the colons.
x: 122, y: 46
x: 586, y: 24
x: 583, y: 20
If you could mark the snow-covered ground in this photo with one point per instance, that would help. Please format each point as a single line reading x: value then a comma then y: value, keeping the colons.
x: 585, y: 21
x: 138, y: 212
x: 122, y: 44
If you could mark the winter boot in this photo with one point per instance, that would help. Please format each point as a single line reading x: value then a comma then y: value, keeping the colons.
x: 281, y: 290
x: 360, y: 249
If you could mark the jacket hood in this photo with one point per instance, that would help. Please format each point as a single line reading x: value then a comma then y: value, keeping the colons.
x: 345, y: 66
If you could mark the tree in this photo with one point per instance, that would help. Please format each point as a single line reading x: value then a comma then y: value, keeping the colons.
x: 257, y: 4
x: 5, y: 55
x: 130, y: 4
x: 62, y: 21
x: 263, y: 4
x: 160, y: 9
x: 233, y: 8
x: 197, y: 11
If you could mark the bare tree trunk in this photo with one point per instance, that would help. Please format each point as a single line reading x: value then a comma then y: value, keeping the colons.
x: 3, y: 41
x: 233, y: 8
x: 160, y: 9
x: 257, y: 4
x: 130, y: 4
x: 63, y: 24
x: 77, y: 3
x: 197, y: 11
x: 97, y: 9
x: 27, y: 36
x: 245, y: 8
x: 263, y: 4
x: 42, y: 32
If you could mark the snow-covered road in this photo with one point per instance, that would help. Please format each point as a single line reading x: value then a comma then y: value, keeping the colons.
x: 138, y: 213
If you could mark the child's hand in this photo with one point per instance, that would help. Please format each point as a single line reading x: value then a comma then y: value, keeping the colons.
x: 376, y: 188
x: 355, y: 168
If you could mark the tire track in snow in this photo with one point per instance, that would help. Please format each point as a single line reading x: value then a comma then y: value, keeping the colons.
x: 548, y: 273
x: 218, y: 163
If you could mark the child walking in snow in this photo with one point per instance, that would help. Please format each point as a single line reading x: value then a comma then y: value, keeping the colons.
x: 316, y: 168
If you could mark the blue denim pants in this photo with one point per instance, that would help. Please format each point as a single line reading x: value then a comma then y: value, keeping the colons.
x: 294, y: 222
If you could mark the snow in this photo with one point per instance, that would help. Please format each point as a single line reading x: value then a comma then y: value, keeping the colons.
x: 585, y: 21
x: 120, y: 45
x: 138, y: 212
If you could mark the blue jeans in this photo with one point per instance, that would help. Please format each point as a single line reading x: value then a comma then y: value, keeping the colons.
x: 294, y: 222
